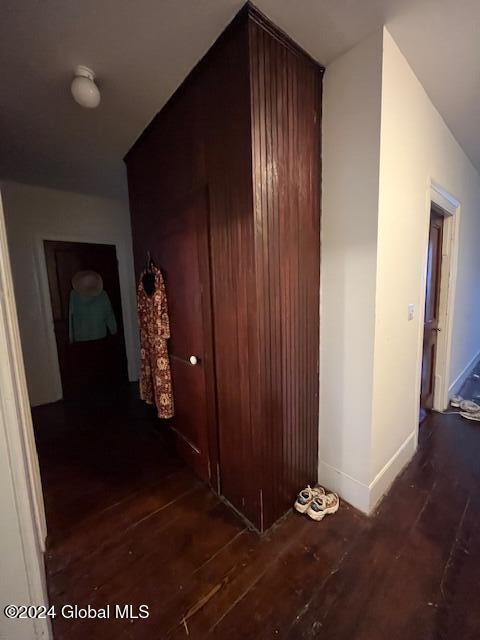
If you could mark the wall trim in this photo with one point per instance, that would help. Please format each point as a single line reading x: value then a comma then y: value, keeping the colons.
x: 348, y: 488
x: 16, y: 423
x: 365, y: 497
x: 385, y: 477
x: 463, y: 375
x: 443, y: 199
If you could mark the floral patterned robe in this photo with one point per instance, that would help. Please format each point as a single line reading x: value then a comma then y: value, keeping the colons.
x: 155, y: 376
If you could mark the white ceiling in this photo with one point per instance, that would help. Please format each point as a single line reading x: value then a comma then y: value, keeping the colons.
x: 142, y: 49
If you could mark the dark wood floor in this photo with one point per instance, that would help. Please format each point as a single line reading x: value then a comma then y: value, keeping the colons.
x: 129, y: 524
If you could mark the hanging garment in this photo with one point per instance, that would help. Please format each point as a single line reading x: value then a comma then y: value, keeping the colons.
x: 90, y: 316
x: 155, y: 376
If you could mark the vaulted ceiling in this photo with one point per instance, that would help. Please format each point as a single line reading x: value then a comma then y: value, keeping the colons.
x: 142, y: 49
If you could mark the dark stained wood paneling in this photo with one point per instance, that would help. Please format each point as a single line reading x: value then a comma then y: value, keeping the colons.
x: 229, y: 170
x: 202, y: 138
x: 243, y: 126
x: 285, y: 99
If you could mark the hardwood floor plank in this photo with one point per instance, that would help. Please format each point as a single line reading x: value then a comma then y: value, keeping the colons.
x: 456, y: 617
x: 394, y: 569
x: 283, y: 592
x: 111, y: 522
x: 264, y: 553
x: 142, y: 529
x: 166, y: 532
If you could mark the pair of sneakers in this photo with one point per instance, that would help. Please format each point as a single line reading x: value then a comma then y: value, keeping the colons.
x: 468, y: 408
x: 316, y: 503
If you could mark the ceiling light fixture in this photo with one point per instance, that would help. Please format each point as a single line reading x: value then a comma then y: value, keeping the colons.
x: 84, y: 89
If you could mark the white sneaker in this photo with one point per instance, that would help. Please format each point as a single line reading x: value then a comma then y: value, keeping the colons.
x: 455, y: 401
x: 323, y: 506
x: 471, y: 416
x: 306, y: 496
x: 468, y: 406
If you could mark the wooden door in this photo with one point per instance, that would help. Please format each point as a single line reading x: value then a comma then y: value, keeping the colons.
x: 92, y: 365
x: 183, y: 257
x: 432, y: 305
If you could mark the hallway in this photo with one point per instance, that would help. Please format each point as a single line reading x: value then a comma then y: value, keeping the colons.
x: 129, y: 524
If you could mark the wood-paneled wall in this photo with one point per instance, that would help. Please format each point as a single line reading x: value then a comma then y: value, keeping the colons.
x: 246, y: 125
x: 285, y: 99
x: 233, y: 267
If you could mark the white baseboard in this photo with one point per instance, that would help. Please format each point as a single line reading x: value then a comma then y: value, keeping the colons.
x: 384, y: 479
x: 463, y: 375
x: 363, y: 496
x: 353, y: 491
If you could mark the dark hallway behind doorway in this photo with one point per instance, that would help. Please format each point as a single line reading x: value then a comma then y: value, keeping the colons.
x: 91, y: 363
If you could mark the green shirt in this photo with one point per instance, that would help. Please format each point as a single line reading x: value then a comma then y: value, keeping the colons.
x: 89, y: 317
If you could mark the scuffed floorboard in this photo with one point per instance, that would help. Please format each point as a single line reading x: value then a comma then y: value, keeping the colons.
x: 129, y: 524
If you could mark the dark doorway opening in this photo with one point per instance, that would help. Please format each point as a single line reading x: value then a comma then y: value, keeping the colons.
x: 85, y: 364
x: 432, y: 308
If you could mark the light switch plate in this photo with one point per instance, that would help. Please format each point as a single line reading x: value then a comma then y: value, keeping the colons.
x: 411, y: 311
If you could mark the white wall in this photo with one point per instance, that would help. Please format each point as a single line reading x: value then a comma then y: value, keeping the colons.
x: 350, y: 157
x: 384, y: 142
x: 416, y: 148
x: 36, y: 213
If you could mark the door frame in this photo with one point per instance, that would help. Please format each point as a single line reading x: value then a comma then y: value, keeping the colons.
x: 17, y: 427
x: 446, y: 205
x: 128, y: 303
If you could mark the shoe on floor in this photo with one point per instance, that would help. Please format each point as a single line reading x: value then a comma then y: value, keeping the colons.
x: 468, y: 406
x: 471, y: 416
x: 306, y: 496
x: 455, y: 401
x: 323, y: 506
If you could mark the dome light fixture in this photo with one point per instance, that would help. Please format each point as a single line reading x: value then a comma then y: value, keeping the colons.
x: 84, y: 89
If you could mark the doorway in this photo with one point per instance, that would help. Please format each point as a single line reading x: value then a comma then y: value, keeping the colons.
x: 431, y: 327
x: 94, y: 356
x: 439, y: 289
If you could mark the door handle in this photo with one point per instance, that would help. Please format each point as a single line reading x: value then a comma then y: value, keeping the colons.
x: 436, y: 329
x: 193, y: 361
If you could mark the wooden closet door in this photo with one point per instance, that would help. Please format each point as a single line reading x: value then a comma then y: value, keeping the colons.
x: 183, y: 257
